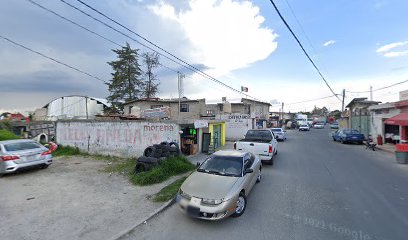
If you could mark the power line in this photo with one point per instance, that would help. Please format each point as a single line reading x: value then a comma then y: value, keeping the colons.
x: 303, y: 49
x: 52, y: 59
x: 85, y: 28
x: 311, y: 100
x: 382, y: 88
x: 186, y: 65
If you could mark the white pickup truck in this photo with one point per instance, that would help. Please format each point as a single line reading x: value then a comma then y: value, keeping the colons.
x: 261, y: 142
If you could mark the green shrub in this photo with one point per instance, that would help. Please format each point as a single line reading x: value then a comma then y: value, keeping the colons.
x: 168, y: 192
x: 66, y: 151
x: 6, y: 135
x: 170, y: 167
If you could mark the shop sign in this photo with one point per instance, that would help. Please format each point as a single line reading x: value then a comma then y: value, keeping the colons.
x: 200, y: 124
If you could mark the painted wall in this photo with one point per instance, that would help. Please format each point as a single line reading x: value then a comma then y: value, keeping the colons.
x: 378, y: 117
x: 236, y: 125
x: 124, y: 138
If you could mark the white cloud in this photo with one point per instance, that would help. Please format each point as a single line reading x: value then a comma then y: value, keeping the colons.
x: 385, y: 50
x: 328, y: 43
x: 396, y: 54
x: 225, y: 35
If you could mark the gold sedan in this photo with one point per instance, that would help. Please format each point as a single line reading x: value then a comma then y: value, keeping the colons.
x: 218, y: 188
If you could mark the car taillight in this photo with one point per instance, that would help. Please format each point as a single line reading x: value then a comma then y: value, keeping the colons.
x: 235, y: 145
x: 46, y: 152
x: 270, y: 149
x: 9, y: 158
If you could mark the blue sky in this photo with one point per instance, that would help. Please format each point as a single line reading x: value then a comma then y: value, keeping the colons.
x: 354, y: 43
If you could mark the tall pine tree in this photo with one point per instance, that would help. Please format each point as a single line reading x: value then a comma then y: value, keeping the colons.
x: 126, y: 83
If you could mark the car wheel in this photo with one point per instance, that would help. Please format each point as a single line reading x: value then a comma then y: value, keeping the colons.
x: 342, y: 141
x: 271, y: 161
x: 259, y: 177
x: 44, y: 166
x: 334, y: 139
x: 241, y: 205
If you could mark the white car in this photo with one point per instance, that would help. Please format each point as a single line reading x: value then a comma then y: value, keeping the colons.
x: 319, y: 126
x: 304, y: 127
x: 280, y: 134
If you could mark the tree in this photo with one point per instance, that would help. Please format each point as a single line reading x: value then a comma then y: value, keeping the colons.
x: 151, y: 84
x: 126, y: 83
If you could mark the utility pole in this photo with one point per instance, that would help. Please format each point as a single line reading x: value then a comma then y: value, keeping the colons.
x: 282, y: 114
x: 371, y: 93
x: 86, y: 107
x: 342, y: 102
x: 180, y: 77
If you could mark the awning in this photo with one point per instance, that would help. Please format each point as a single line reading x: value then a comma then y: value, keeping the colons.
x: 400, y: 119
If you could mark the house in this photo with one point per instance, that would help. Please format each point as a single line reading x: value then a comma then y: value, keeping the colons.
x: 239, y: 117
x: 379, y: 114
x: 199, y: 131
x: 183, y: 109
x: 71, y: 107
x: 360, y: 115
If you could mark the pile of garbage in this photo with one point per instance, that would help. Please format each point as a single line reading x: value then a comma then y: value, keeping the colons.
x: 155, y: 154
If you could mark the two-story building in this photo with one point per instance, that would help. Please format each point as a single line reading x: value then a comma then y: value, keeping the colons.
x: 198, y: 133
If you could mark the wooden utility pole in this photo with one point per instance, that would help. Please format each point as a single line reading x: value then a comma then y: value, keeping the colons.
x: 342, y: 102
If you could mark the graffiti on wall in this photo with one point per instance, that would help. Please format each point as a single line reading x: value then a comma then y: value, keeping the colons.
x: 124, y: 138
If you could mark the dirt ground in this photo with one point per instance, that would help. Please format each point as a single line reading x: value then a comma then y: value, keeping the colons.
x: 72, y: 199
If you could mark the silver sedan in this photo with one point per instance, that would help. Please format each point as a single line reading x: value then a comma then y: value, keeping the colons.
x: 219, y: 187
x: 23, y: 153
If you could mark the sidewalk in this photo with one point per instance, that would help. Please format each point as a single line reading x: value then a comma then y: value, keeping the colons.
x: 388, y: 147
x: 200, y: 157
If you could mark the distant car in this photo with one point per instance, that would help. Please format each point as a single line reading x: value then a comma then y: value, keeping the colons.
x: 334, y: 125
x: 220, y: 186
x: 351, y: 135
x: 319, y: 126
x: 304, y: 127
x: 21, y: 154
x: 280, y: 134
x: 335, y: 135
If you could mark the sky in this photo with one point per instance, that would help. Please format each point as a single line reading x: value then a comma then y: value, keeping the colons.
x: 355, y: 45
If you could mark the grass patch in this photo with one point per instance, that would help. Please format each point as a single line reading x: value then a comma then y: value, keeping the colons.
x: 168, y: 192
x: 66, y: 151
x: 7, y: 135
x: 170, y: 167
x: 121, y: 165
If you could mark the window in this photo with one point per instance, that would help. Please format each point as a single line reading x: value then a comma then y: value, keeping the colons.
x: 210, y: 112
x: 184, y: 107
x: 130, y: 109
x: 156, y: 106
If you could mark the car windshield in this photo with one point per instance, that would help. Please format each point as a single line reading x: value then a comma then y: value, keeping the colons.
x: 222, y: 165
x: 19, y: 146
x: 259, y: 135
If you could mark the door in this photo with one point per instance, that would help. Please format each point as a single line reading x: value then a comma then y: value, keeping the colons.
x: 206, y: 142
x: 217, y: 136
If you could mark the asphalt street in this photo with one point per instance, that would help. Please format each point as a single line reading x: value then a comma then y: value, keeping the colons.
x: 317, y: 189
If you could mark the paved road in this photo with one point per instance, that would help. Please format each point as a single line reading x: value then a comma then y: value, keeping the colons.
x: 317, y: 189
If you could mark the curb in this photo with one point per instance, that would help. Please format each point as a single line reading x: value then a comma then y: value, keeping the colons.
x: 385, y: 150
x: 159, y: 210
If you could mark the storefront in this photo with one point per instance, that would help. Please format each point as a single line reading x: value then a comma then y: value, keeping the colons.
x: 189, y: 139
x: 400, y: 120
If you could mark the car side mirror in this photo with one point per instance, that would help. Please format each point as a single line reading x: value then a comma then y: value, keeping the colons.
x: 249, y: 170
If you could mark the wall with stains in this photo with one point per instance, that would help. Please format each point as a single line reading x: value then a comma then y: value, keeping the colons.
x: 116, y: 138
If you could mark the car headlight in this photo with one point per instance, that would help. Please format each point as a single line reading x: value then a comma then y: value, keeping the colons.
x: 184, y: 195
x: 212, y: 201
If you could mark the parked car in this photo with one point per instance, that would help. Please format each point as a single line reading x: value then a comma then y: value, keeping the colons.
x: 304, y: 127
x: 21, y: 154
x: 220, y: 185
x: 261, y: 142
x: 319, y: 126
x: 335, y: 135
x: 280, y: 134
x: 351, y: 135
x: 334, y: 125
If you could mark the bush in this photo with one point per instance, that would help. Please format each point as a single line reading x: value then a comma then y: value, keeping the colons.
x: 6, y: 135
x: 170, y: 167
x: 168, y: 192
x: 66, y: 151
